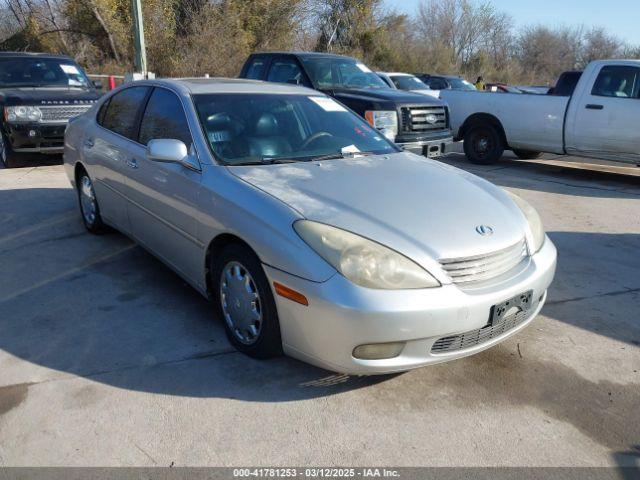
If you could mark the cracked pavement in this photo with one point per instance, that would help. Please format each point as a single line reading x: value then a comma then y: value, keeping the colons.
x: 107, y: 358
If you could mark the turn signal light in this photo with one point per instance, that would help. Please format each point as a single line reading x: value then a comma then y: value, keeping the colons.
x: 291, y: 294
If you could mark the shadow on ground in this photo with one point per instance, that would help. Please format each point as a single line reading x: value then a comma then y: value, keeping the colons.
x: 103, y: 308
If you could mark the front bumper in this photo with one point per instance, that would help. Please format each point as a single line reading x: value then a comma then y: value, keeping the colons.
x: 36, y: 137
x: 429, y: 147
x: 341, y: 316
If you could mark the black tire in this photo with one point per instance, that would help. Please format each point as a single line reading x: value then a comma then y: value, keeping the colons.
x: 267, y: 343
x: 483, y: 144
x: 93, y: 223
x: 527, y: 154
x: 7, y: 155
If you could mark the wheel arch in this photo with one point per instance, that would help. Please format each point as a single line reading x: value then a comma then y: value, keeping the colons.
x: 483, y: 119
x: 215, y: 246
x: 77, y: 170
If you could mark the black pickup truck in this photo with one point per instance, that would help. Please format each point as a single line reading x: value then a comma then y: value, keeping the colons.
x: 39, y: 93
x: 415, y: 122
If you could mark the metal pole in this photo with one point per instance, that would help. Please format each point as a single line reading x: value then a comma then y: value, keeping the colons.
x: 138, y: 33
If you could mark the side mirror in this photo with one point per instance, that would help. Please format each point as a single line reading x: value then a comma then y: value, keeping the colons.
x: 169, y: 150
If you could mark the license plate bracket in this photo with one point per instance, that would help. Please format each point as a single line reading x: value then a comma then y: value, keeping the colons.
x: 513, y: 306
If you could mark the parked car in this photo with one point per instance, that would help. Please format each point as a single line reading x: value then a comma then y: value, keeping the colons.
x: 300, y: 221
x: 445, y: 82
x: 406, y: 82
x: 415, y: 122
x: 39, y: 93
x: 534, y: 89
x: 597, y: 119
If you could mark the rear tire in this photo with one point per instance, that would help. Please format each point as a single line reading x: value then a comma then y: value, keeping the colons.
x: 7, y: 155
x: 527, y: 154
x: 244, y: 301
x: 89, y: 208
x: 483, y: 144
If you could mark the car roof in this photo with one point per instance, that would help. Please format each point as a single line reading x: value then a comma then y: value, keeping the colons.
x: 397, y: 74
x: 34, y: 55
x: 307, y: 55
x: 231, y: 85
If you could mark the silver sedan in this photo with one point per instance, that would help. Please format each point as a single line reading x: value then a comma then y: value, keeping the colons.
x: 311, y: 233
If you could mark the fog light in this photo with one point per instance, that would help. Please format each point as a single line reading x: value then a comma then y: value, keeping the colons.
x: 32, y: 133
x: 378, y: 351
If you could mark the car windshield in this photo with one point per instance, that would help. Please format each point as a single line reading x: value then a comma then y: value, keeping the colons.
x: 461, y: 84
x: 41, y: 72
x: 246, y: 129
x: 329, y: 73
x: 408, y: 82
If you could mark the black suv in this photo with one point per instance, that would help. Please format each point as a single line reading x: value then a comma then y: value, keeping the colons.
x: 39, y: 93
x: 416, y: 122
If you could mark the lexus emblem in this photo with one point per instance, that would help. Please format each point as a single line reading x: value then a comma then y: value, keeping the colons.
x: 484, y: 230
x: 431, y: 118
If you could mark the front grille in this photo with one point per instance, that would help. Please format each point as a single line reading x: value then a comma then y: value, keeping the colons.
x: 62, y: 113
x: 415, y: 119
x: 479, y: 336
x: 479, y: 268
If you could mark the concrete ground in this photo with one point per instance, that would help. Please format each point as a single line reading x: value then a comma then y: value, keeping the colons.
x: 108, y: 358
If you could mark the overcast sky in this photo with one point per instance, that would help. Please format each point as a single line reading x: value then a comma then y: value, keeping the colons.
x: 621, y: 17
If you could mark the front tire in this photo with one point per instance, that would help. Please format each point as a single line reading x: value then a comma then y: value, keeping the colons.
x: 527, y: 154
x: 7, y: 155
x: 89, y: 208
x: 244, y: 301
x: 483, y: 144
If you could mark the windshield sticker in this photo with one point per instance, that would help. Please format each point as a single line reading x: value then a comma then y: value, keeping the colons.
x: 328, y: 104
x: 72, y: 69
x: 363, y: 67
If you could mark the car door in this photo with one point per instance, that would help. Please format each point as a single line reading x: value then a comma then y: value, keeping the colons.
x: 603, y: 119
x: 163, y: 197
x: 104, y: 149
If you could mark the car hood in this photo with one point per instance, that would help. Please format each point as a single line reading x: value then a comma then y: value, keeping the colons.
x: 422, y: 208
x: 385, y: 94
x: 47, y: 96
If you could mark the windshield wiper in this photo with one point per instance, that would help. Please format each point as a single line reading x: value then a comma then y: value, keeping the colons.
x: 340, y: 155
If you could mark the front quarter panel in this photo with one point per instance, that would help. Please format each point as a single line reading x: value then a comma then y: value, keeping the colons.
x: 230, y: 205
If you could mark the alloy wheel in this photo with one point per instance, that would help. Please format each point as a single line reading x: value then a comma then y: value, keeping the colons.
x: 241, y: 303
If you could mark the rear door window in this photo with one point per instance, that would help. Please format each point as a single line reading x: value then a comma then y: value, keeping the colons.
x: 286, y: 70
x: 256, y: 68
x: 619, y: 81
x: 122, y: 112
x: 164, y: 117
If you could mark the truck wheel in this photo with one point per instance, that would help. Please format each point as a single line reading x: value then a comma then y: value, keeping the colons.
x: 7, y: 156
x: 483, y: 144
x: 527, y: 154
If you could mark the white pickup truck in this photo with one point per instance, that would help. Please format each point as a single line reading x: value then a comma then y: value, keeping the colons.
x: 590, y: 114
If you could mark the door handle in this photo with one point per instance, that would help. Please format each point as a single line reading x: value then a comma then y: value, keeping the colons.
x: 89, y: 142
x: 592, y: 106
x: 132, y: 163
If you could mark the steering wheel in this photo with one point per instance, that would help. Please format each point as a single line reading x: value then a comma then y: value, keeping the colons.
x: 313, y: 138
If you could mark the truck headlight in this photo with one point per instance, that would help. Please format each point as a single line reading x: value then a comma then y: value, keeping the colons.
x: 384, y: 120
x: 534, y: 220
x: 22, y: 113
x: 362, y: 261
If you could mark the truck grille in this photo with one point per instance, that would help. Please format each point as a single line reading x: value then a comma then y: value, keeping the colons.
x: 62, y: 113
x: 482, y: 335
x: 421, y: 119
x: 479, y: 268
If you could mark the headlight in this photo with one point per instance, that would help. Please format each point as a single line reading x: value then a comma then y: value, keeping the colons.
x: 385, y: 121
x: 364, y: 262
x: 535, y: 223
x: 22, y: 114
